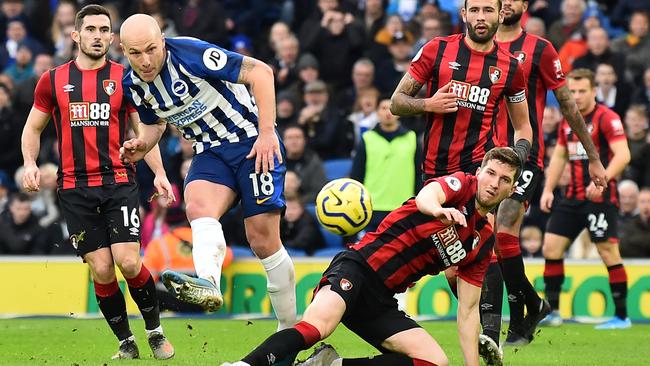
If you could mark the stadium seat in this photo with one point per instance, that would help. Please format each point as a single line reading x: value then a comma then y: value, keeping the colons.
x: 337, y: 168
x: 331, y: 240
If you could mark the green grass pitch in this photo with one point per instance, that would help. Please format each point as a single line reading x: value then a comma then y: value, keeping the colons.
x: 201, y: 341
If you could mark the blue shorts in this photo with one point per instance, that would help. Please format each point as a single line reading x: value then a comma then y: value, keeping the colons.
x: 227, y: 165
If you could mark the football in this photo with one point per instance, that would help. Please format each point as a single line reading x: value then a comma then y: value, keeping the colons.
x: 343, y: 206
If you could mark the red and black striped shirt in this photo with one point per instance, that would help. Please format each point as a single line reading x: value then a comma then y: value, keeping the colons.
x: 409, y: 244
x: 605, y: 127
x: 457, y: 141
x: 543, y: 71
x: 90, y: 114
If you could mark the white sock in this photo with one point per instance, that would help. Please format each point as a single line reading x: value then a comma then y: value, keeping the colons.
x: 281, y: 285
x: 155, y: 330
x: 208, y: 248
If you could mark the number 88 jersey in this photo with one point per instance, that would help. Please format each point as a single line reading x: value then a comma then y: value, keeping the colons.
x: 90, y: 113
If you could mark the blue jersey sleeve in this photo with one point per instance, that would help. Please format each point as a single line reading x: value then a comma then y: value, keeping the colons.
x: 147, y: 116
x: 205, y: 59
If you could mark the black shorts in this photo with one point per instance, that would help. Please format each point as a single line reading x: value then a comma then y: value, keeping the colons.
x: 98, y: 217
x: 527, y: 184
x: 570, y: 217
x: 371, y: 309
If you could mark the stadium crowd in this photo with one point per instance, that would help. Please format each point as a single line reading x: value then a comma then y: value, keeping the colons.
x: 334, y: 61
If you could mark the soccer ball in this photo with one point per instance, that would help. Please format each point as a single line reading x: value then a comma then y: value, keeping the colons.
x: 343, y: 206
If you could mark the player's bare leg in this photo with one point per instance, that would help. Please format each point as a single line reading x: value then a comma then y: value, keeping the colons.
x: 143, y: 291
x: 111, y: 301
x: 611, y: 256
x: 206, y: 202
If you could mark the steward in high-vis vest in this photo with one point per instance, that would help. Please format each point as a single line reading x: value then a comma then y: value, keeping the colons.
x: 387, y: 162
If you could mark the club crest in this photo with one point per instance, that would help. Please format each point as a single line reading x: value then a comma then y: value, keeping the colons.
x: 110, y: 86
x: 495, y: 74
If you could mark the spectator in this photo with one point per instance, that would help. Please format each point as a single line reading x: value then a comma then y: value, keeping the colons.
x: 568, y: 26
x: 285, y: 62
x: 268, y: 51
x: 599, y: 52
x: 304, y: 162
x: 628, y: 192
x: 285, y: 110
x: 308, y: 71
x: 642, y: 93
x: 23, y: 95
x: 623, y: 9
x: 298, y: 228
x: 21, y: 232
x: 373, y: 20
x: 576, y: 47
x: 612, y: 90
x: 23, y: 67
x: 64, y: 16
x: 634, y: 242
x: 531, y: 241
x: 535, y: 26
x: 160, y: 218
x: 242, y: 44
x: 5, y: 187
x: 328, y: 132
x: 44, y: 202
x: 635, y: 45
x: 364, y: 114
x: 10, y: 132
x: 636, y: 130
x: 204, y: 20
x: 16, y: 36
x: 166, y: 24
x: 292, y: 183
x: 336, y: 44
x: 394, y: 26
x: 393, y: 69
x: 68, y: 49
x: 387, y: 163
x: 430, y: 29
x: 363, y: 77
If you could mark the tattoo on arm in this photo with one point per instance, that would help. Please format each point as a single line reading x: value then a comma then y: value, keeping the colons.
x: 403, y: 102
x: 574, y: 118
x: 247, y: 65
x: 509, y: 213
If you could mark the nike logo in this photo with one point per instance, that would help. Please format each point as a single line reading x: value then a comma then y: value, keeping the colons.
x: 262, y: 200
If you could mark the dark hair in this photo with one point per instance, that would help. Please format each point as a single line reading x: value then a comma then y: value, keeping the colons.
x: 579, y: 74
x: 505, y: 155
x: 20, y: 196
x: 92, y: 9
x: 498, y: 5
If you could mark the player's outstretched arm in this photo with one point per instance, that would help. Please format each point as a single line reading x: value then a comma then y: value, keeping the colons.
x: 468, y: 320
x: 31, y: 145
x: 404, y: 103
x: 577, y: 123
x: 430, y: 200
x: 553, y: 174
x: 259, y: 77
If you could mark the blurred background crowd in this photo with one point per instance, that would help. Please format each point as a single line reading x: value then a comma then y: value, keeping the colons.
x: 336, y: 63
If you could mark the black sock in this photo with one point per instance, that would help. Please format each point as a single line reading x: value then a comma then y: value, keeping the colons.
x: 492, y: 302
x: 618, y: 286
x: 553, y: 279
x: 113, y: 308
x: 386, y: 359
x: 147, y: 300
x: 276, y: 347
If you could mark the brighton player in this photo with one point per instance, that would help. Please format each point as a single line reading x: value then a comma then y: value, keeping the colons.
x: 200, y: 89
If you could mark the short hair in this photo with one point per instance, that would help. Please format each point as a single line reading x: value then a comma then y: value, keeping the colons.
x: 639, y: 109
x: 20, y: 197
x: 582, y: 73
x: 498, y: 5
x: 364, y: 61
x: 505, y: 155
x: 628, y: 183
x: 92, y: 9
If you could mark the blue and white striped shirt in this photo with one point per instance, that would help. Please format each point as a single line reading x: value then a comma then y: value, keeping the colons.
x: 197, y: 92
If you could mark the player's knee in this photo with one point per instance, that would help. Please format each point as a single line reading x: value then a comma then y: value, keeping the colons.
x: 129, y: 266
x: 195, y: 209
x: 103, y: 272
x: 552, y: 251
x: 609, y: 253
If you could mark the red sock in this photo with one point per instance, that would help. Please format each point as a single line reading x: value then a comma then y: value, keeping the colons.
x: 308, y: 332
x: 106, y: 289
x: 139, y: 280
